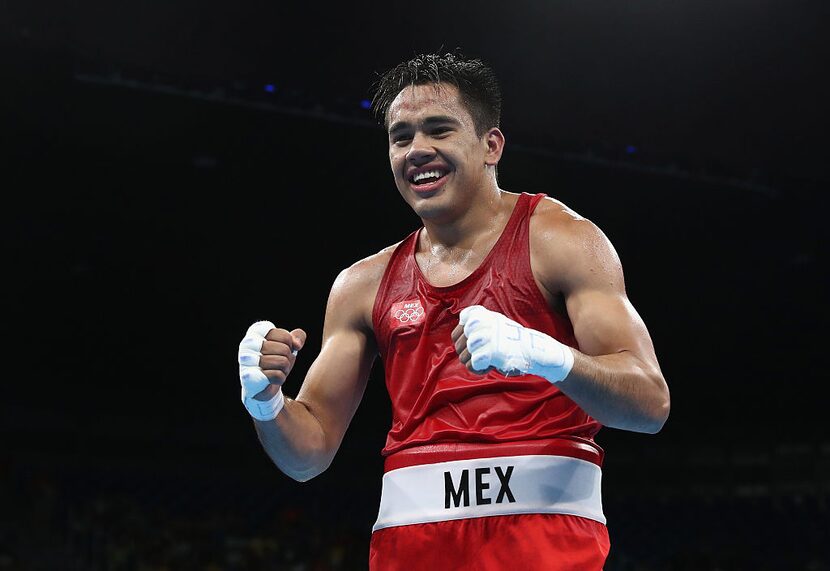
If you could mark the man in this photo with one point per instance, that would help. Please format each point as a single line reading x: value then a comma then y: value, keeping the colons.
x: 507, y: 340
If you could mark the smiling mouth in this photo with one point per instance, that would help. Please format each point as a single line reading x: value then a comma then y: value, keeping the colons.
x: 428, y: 178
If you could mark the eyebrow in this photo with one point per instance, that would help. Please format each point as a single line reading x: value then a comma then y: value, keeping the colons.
x: 431, y: 120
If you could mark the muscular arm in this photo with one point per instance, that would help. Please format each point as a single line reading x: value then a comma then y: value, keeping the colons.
x: 305, y: 436
x: 615, y: 377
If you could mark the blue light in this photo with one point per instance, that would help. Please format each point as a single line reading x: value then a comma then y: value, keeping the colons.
x: 631, y: 149
x: 365, y: 103
x: 270, y: 88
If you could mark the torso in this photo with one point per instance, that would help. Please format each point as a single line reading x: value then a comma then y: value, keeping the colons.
x: 434, y: 397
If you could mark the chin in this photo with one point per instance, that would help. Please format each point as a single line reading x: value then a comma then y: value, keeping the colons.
x: 433, y: 208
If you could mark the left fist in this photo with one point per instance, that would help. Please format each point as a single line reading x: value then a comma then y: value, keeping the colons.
x: 487, y: 340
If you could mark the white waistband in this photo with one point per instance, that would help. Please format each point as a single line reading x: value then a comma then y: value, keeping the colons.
x: 490, y: 486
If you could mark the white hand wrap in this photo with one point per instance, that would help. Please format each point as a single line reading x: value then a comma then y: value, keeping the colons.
x: 251, y: 376
x: 264, y: 409
x: 494, y: 340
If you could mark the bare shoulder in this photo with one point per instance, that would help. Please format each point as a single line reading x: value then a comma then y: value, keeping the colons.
x: 367, y: 271
x: 552, y: 218
x: 567, y: 248
x: 353, y: 291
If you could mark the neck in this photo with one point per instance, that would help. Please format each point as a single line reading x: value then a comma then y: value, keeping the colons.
x: 474, y: 219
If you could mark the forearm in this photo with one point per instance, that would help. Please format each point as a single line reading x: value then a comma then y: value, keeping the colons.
x: 296, y: 442
x: 618, y: 390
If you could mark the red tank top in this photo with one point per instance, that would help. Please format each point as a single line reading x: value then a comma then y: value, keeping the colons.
x: 435, y: 399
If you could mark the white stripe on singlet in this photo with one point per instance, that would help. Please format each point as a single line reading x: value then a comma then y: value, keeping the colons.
x: 490, y: 486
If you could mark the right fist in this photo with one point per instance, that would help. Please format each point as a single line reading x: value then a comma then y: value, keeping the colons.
x: 266, y: 357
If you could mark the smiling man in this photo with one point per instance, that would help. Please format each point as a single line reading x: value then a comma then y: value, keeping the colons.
x: 507, y: 341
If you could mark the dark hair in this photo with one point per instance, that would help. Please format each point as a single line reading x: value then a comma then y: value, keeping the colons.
x: 475, y: 80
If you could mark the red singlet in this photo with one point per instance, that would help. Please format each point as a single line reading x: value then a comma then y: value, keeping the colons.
x: 443, y: 412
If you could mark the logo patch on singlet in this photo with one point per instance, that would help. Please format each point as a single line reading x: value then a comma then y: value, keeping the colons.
x: 406, y: 313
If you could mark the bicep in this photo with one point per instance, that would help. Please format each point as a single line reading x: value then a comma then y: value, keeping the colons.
x: 604, y: 319
x: 336, y: 380
x: 606, y: 322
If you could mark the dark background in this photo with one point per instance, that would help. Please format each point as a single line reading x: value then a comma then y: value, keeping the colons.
x: 173, y: 172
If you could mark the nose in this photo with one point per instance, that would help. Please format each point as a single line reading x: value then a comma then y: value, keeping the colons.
x: 420, y: 151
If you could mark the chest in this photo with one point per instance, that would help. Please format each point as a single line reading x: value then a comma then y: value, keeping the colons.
x: 450, y: 270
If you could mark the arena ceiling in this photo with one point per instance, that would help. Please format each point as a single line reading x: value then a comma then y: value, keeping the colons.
x: 728, y: 88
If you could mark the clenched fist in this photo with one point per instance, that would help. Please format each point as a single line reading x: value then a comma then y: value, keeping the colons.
x: 266, y: 357
x: 487, y: 340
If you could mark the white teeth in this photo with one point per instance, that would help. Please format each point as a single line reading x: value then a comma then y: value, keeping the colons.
x: 427, y: 174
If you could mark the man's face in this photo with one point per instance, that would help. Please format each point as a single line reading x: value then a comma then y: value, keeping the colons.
x: 436, y: 156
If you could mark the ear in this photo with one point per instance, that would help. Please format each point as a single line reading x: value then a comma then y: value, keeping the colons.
x: 495, y: 146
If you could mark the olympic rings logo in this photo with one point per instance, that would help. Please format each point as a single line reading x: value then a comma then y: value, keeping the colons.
x: 409, y: 315
x: 406, y: 312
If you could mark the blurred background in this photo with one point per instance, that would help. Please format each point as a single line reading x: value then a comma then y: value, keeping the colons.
x: 173, y: 171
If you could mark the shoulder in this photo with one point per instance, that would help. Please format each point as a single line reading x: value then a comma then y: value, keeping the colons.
x: 553, y: 219
x: 568, y: 248
x: 355, y: 287
x: 366, y: 271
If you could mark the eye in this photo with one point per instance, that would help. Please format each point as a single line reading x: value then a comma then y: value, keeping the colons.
x: 440, y: 131
x: 401, y: 139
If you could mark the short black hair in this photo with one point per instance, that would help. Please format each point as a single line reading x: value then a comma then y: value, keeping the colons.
x: 476, y: 82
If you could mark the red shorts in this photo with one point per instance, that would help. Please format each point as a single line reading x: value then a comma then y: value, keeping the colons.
x: 527, y: 542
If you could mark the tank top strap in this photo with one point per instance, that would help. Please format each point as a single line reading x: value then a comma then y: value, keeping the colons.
x: 515, y: 235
